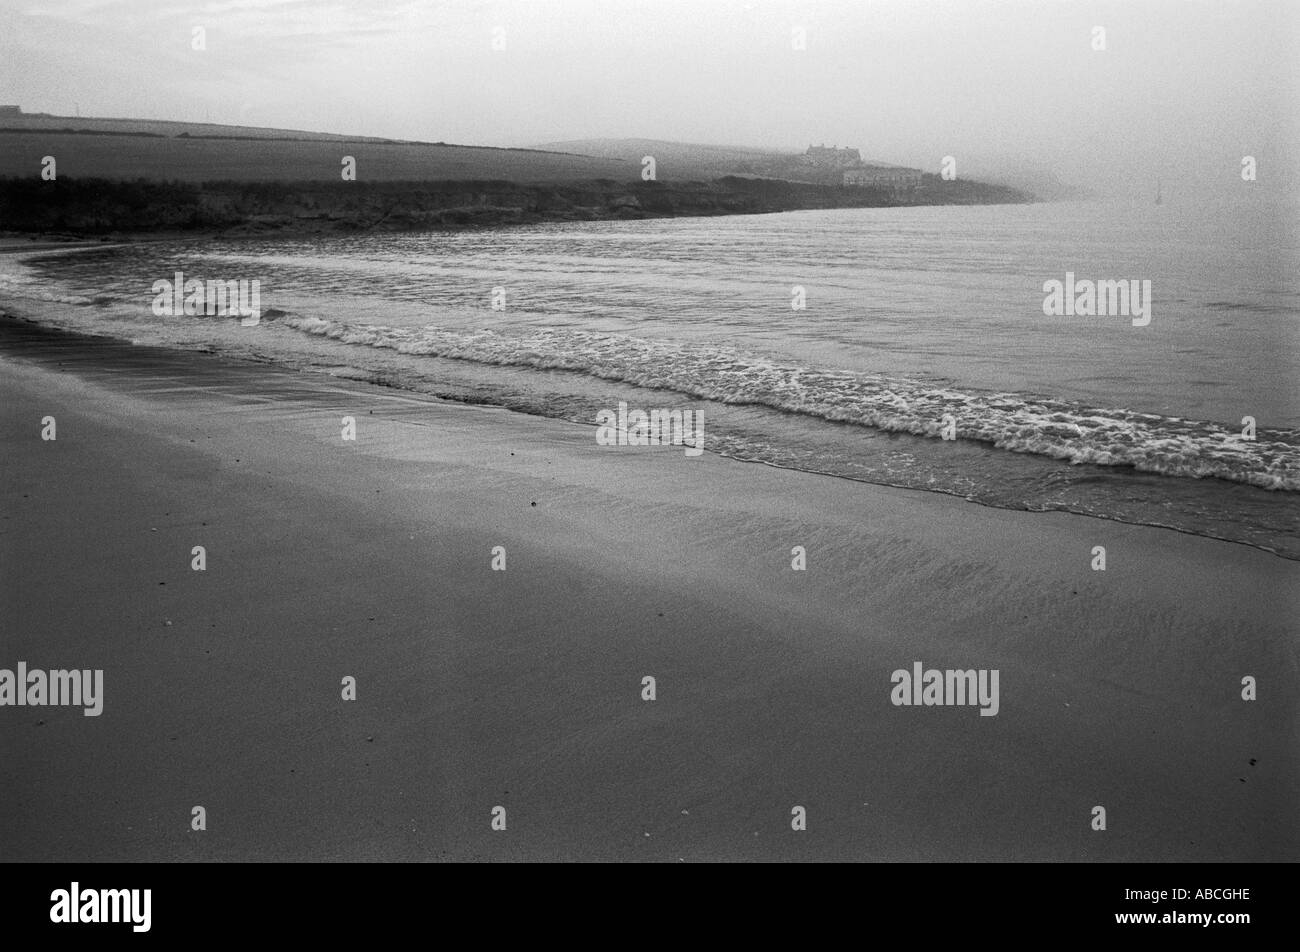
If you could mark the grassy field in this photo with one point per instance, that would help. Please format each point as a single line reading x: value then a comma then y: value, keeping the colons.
x: 42, y: 122
x: 677, y: 160
x: 176, y: 158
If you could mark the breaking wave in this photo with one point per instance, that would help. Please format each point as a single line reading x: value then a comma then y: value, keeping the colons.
x: 1011, y: 421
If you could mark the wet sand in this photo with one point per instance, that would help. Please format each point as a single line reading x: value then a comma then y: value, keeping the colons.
x: 476, y: 688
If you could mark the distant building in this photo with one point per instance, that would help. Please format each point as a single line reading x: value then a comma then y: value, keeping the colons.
x: 895, y: 178
x: 9, y: 112
x: 830, y: 157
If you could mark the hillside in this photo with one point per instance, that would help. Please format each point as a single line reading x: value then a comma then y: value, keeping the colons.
x: 127, y: 149
x: 44, y: 122
x: 674, y: 161
x: 688, y: 161
x: 122, y: 177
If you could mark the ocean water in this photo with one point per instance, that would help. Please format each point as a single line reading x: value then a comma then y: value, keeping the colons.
x: 912, y: 315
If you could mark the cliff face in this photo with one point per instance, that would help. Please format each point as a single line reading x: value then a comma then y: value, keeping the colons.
x: 98, y: 207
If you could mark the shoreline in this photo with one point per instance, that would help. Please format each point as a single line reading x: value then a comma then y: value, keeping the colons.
x: 522, y: 688
x: 39, y: 313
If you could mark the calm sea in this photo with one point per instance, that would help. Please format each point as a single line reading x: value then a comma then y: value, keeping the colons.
x: 912, y: 315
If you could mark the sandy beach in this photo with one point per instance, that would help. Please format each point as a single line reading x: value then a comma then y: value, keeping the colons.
x: 522, y: 688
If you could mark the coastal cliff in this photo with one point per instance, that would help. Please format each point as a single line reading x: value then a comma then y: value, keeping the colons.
x: 91, y: 206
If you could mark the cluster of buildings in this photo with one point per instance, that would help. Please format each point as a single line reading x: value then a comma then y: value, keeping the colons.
x: 853, y: 171
x: 830, y: 157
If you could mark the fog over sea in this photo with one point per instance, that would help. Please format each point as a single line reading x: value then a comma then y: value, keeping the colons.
x: 912, y: 314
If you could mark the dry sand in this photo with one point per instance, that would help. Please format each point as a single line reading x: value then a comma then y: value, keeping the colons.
x: 522, y: 688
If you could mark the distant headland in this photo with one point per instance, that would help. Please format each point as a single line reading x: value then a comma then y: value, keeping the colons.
x: 83, y: 176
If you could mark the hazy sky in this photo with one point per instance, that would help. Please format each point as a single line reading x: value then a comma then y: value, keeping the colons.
x: 1182, y: 90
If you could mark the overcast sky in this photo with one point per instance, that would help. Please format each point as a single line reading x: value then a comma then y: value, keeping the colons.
x: 1182, y: 90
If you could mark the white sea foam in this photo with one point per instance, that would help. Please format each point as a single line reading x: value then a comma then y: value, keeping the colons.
x: 26, y: 285
x: 1009, y: 421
